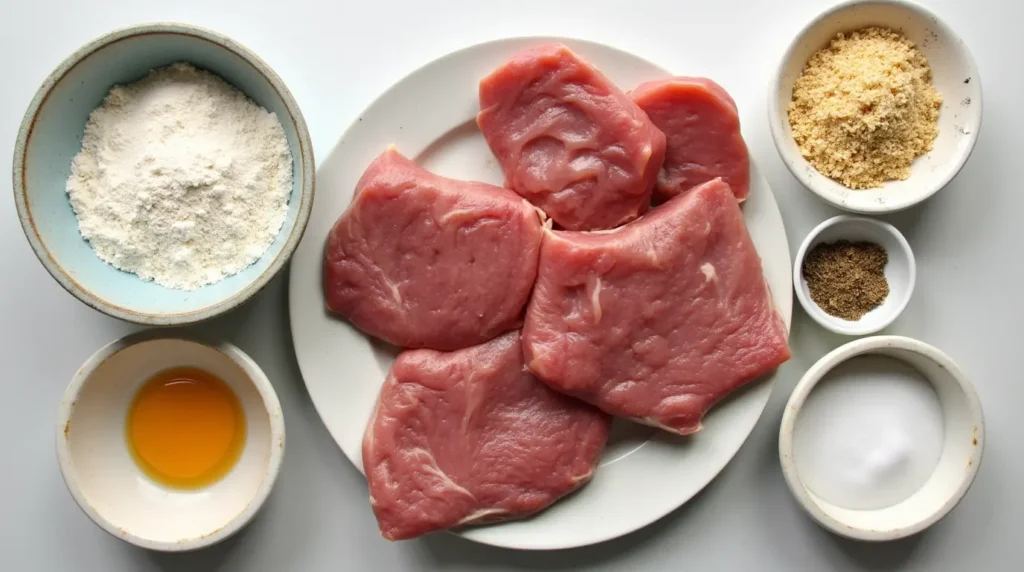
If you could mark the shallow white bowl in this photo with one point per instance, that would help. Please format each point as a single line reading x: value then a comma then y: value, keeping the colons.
x: 900, y: 272
x: 955, y: 77
x: 963, y: 443
x: 104, y: 479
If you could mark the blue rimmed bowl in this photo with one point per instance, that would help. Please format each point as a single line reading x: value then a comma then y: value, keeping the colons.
x: 51, y: 136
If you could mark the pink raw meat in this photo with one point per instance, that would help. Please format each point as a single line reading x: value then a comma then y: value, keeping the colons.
x: 702, y: 128
x: 470, y: 437
x: 569, y: 140
x: 657, y: 320
x: 419, y: 260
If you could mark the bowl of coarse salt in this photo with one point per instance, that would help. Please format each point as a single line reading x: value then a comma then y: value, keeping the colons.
x: 163, y: 174
x: 881, y: 438
x: 876, y: 105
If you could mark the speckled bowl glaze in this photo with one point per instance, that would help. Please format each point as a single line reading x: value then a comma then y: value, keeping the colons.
x: 963, y: 444
x: 51, y: 135
x: 106, y: 482
x: 955, y: 78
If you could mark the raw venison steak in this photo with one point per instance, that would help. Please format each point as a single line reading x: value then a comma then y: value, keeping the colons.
x: 471, y: 437
x: 419, y: 260
x: 702, y: 129
x: 569, y: 140
x: 657, y: 320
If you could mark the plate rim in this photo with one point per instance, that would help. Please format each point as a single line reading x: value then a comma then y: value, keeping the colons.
x: 772, y: 207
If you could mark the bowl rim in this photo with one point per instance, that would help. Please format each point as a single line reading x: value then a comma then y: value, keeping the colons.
x: 798, y: 166
x: 819, y: 315
x: 28, y: 225
x: 255, y: 375
x: 810, y: 380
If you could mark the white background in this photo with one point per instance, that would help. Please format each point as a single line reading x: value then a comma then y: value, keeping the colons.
x: 336, y: 56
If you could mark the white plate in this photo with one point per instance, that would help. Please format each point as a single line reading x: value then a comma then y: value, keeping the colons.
x: 430, y: 115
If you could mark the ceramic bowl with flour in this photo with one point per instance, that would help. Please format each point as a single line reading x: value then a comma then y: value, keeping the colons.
x: 231, y: 211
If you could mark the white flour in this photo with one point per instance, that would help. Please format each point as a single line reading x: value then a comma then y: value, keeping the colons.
x: 181, y: 179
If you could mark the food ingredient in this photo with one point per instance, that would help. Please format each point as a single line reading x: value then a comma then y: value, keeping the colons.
x: 702, y: 131
x: 659, y: 319
x: 847, y: 279
x: 420, y: 260
x: 569, y: 140
x: 864, y: 108
x: 185, y: 428
x: 470, y: 437
x: 870, y: 434
x: 181, y: 179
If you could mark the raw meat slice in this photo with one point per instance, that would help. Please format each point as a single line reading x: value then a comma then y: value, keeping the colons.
x: 471, y: 437
x: 657, y: 320
x: 702, y: 129
x: 569, y: 140
x: 419, y: 260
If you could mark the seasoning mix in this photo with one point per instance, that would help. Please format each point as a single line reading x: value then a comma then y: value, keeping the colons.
x: 847, y: 279
x: 864, y: 108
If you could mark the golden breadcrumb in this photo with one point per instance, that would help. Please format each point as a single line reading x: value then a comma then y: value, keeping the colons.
x: 864, y: 108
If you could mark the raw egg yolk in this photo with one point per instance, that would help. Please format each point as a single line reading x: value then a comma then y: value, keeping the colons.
x: 185, y: 428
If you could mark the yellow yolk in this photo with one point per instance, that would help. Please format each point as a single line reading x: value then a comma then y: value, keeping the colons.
x: 185, y: 428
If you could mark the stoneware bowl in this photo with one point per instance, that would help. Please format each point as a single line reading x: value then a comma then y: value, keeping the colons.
x: 104, y: 479
x: 955, y: 77
x: 962, y: 447
x: 900, y: 272
x: 51, y: 135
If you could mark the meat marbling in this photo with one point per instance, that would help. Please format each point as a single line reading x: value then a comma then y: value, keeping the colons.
x: 569, y: 140
x: 471, y: 436
x: 702, y: 129
x: 420, y: 260
x: 659, y: 319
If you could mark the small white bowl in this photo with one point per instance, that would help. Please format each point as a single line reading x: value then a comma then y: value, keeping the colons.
x: 104, y: 479
x: 955, y: 77
x: 900, y: 272
x: 963, y: 444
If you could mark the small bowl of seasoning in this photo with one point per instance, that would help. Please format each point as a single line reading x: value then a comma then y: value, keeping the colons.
x: 881, y: 438
x: 876, y: 105
x: 170, y: 443
x: 854, y: 275
x: 163, y: 174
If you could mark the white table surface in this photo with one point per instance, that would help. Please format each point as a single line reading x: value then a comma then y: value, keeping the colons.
x: 336, y: 57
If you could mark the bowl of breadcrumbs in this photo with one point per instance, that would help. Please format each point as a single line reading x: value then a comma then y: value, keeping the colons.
x: 876, y: 105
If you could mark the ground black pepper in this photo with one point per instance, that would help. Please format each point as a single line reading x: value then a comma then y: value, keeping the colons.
x: 847, y: 279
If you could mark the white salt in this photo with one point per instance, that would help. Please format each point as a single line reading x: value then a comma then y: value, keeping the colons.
x: 869, y: 435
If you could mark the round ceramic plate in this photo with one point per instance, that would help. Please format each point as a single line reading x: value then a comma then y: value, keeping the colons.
x: 430, y: 115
